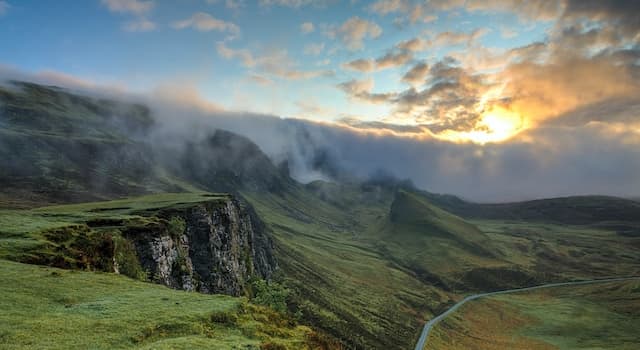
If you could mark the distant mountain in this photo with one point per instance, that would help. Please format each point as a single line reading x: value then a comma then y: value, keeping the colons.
x: 566, y: 210
x: 59, y: 147
x: 228, y: 162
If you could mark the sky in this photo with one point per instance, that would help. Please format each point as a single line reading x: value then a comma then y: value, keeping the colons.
x: 550, y: 88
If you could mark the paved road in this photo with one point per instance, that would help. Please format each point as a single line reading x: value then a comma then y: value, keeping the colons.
x: 427, y: 327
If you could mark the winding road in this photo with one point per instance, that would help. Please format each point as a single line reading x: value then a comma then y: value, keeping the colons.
x: 427, y: 327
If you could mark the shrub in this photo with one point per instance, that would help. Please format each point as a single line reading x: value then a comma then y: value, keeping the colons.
x: 271, y: 294
x: 272, y: 346
x: 176, y: 227
x: 225, y: 317
x: 127, y: 259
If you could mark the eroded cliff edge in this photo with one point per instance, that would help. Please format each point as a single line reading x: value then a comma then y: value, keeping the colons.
x: 213, y: 244
x: 209, y: 247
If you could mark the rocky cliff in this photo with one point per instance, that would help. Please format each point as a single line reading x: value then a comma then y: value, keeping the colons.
x: 209, y: 247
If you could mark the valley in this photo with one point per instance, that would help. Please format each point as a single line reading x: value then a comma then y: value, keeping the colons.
x: 596, y: 316
x: 104, y: 226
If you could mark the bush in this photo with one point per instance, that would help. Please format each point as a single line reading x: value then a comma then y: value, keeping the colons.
x: 225, y: 317
x: 176, y: 227
x: 127, y: 259
x: 272, y: 346
x: 271, y: 294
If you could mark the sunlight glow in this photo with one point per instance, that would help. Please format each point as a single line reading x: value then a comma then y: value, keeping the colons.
x: 496, y: 125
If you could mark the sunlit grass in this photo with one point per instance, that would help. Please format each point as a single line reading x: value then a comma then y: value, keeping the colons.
x: 48, y: 308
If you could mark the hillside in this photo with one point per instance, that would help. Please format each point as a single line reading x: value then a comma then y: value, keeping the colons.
x: 60, y: 147
x: 364, y: 262
x: 575, y: 210
x: 47, y: 307
x: 585, y: 317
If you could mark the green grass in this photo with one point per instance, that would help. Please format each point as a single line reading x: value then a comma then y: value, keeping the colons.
x: 431, y: 240
x: 362, y: 271
x: 344, y: 284
x: 22, y: 230
x: 48, y: 308
x: 357, y: 270
x: 554, y: 252
x: 603, y: 316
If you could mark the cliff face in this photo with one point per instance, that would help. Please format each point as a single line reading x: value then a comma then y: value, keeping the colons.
x: 210, y: 247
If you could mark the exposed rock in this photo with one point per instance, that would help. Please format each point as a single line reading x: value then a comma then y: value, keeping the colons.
x: 223, y: 245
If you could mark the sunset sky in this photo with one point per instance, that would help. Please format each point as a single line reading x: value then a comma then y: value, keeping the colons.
x: 548, y: 74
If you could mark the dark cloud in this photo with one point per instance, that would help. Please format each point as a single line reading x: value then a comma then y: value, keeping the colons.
x: 417, y: 74
x: 362, y: 90
x: 621, y: 14
x: 390, y: 60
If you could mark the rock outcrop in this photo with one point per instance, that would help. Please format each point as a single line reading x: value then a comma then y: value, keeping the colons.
x: 209, y: 247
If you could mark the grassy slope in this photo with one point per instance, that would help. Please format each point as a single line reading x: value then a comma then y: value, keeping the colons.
x: 603, y: 316
x: 428, y: 239
x: 358, y: 272
x: 21, y: 231
x: 553, y: 252
x: 364, y: 271
x: 566, y: 210
x: 59, y: 147
x: 345, y: 285
x: 48, y: 308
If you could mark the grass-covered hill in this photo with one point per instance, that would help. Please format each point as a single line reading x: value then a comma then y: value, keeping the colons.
x: 565, y: 210
x: 365, y: 262
x: 60, y: 147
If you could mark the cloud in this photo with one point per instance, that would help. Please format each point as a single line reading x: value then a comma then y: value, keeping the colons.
x: 313, y: 49
x: 361, y: 65
x: 508, y: 33
x: 389, y: 60
x: 450, y: 38
x: 393, y: 59
x: 590, y: 151
x: 442, y: 39
x: 312, y: 110
x: 450, y: 101
x: 204, y: 22
x: 293, y: 3
x: 307, y: 27
x: 411, y: 12
x: 136, y: 7
x: 547, y: 91
x: 355, y: 30
x: 622, y: 15
x: 362, y: 90
x: 234, y: 4
x: 417, y: 74
x: 260, y: 80
x: 139, y: 25
x: 276, y: 63
x: 383, y: 7
x: 139, y: 9
x: 413, y: 45
x: 526, y: 10
x: 4, y: 7
x: 244, y: 55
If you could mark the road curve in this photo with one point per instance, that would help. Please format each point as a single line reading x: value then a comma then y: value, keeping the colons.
x: 429, y: 325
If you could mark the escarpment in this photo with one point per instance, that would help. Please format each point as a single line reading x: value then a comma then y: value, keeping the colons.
x: 213, y: 245
x: 210, y: 247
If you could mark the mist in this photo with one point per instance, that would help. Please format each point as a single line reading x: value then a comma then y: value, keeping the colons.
x: 547, y: 161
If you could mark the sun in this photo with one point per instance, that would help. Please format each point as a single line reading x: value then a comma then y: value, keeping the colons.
x: 501, y: 124
x: 495, y: 125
